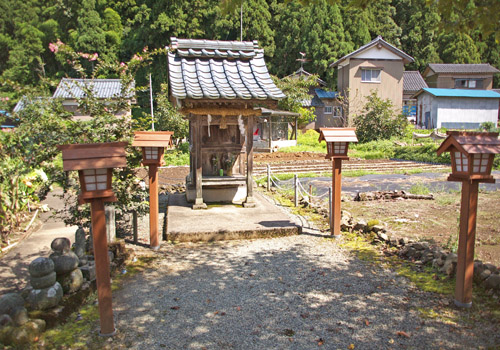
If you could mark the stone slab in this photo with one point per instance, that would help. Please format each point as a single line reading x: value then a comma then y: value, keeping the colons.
x: 226, y: 221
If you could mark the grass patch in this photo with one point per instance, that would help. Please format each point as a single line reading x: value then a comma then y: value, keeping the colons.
x: 427, y: 279
x: 306, y: 142
x: 419, y: 188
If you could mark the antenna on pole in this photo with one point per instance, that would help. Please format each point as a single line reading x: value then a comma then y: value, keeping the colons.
x: 151, y: 102
x: 241, y: 21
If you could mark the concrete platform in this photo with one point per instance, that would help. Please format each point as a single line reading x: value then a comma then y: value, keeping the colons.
x: 226, y: 221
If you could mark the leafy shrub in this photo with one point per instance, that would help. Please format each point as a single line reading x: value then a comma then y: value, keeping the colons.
x: 379, y: 121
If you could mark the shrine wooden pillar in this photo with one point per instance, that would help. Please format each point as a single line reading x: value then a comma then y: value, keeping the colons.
x: 250, y: 201
x: 198, y: 178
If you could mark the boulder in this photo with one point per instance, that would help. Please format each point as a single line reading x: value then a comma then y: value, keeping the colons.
x: 20, y: 316
x: 492, y: 282
x: 484, y: 275
x: 43, y: 299
x: 10, y: 302
x: 382, y: 236
x: 64, y: 263
x: 41, y: 267
x: 450, y: 265
x: 88, y: 272
x: 80, y: 242
x: 43, y: 281
x: 5, y: 320
x: 71, y: 282
x: 360, y: 226
x: 61, y: 245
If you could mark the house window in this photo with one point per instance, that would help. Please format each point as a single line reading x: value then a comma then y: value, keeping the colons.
x: 468, y: 83
x: 328, y: 110
x: 337, y: 111
x: 370, y: 75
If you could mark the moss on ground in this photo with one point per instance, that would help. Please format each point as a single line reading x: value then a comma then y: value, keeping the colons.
x: 84, y: 332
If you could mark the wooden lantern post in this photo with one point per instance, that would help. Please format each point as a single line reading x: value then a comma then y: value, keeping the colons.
x: 337, y: 144
x: 153, y: 144
x: 95, y: 163
x: 472, y: 156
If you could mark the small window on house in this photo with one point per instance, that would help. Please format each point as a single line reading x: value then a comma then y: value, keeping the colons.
x: 328, y: 110
x: 370, y: 75
x: 337, y: 111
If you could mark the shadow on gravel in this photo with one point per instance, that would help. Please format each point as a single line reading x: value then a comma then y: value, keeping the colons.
x: 275, y: 294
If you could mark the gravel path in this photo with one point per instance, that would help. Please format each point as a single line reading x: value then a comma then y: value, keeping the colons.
x: 299, y: 292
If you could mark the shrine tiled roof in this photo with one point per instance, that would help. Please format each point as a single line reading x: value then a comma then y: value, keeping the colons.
x: 212, y: 69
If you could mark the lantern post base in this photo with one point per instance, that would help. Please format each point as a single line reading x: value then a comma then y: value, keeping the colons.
x: 198, y: 204
x: 463, y: 305
x: 112, y: 334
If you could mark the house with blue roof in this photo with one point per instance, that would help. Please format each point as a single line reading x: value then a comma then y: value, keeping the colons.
x: 327, y: 108
x: 456, y: 108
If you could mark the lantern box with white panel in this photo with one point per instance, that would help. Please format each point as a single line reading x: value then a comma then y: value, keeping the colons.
x: 472, y: 154
x: 95, y: 163
x: 337, y: 141
x: 153, y: 144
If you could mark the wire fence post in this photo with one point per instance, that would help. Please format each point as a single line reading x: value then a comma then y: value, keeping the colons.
x: 268, y: 178
x: 310, y: 194
x: 330, y: 207
x: 296, y: 187
x: 134, y: 225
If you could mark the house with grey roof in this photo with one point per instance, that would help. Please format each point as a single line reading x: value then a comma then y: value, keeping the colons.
x: 70, y: 91
x: 456, y: 108
x: 413, y: 82
x: 460, y: 76
x: 220, y: 86
x: 377, y: 66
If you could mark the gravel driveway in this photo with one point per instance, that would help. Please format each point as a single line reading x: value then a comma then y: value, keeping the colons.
x: 299, y: 292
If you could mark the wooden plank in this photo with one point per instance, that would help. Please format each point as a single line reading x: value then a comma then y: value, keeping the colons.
x: 466, y: 240
x: 100, y: 246
x: 336, y: 196
x: 154, y: 242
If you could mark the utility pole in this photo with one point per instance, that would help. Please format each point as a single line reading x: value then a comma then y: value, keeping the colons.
x: 151, y: 102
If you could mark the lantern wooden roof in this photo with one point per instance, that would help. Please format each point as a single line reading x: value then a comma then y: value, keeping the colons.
x: 94, y: 156
x: 152, y: 139
x: 338, y: 135
x: 471, y: 142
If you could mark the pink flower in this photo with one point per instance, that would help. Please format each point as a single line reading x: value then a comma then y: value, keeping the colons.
x: 122, y: 64
x: 53, y: 47
x: 6, y: 99
x: 93, y: 57
x: 145, y: 49
x: 137, y: 58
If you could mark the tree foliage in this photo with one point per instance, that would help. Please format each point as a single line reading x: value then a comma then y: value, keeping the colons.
x: 379, y: 120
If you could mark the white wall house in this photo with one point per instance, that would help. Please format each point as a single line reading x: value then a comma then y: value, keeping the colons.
x: 456, y: 108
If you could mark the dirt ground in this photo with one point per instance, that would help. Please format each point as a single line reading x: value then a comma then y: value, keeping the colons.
x: 436, y: 220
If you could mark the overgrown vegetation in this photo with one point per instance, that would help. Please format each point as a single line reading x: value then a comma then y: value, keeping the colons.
x: 378, y: 120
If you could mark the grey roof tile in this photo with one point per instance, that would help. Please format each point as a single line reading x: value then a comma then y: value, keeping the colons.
x: 219, y: 69
x: 413, y: 81
x: 462, y: 68
x: 102, y: 88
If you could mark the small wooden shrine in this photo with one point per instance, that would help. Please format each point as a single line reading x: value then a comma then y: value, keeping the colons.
x: 218, y: 86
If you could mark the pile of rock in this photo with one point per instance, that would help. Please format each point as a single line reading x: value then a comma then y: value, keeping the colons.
x: 66, y: 265
x: 46, y: 292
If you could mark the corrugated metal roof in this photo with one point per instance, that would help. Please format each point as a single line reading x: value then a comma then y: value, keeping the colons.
x: 462, y: 68
x: 376, y: 41
x: 219, y: 70
x: 469, y: 93
x: 413, y: 81
x: 102, y: 88
x: 326, y: 94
